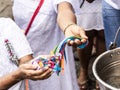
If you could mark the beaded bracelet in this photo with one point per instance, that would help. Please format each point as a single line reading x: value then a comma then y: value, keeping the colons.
x: 67, y: 27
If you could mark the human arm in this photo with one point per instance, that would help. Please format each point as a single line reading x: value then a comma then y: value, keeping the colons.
x: 24, y: 71
x: 66, y: 17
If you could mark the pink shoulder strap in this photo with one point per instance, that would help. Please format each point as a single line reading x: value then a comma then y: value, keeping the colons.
x: 33, y: 17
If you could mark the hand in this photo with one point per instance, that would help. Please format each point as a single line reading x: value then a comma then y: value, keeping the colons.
x: 28, y: 71
x: 75, y: 30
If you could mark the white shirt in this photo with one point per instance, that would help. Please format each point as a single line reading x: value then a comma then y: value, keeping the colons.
x: 114, y: 3
x: 43, y: 36
x: 45, y: 22
x: 10, y: 31
x: 90, y: 16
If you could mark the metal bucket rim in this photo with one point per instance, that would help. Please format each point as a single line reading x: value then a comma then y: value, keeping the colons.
x: 95, y: 73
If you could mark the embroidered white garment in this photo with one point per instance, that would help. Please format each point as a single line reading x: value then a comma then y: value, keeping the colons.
x: 9, y: 30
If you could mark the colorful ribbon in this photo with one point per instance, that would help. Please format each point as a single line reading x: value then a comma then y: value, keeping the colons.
x: 58, y: 54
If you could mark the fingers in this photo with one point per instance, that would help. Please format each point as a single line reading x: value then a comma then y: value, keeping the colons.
x: 83, y: 36
x: 76, y: 30
x: 81, y: 33
x: 70, y: 42
x: 28, y: 66
x: 74, y: 42
x: 29, y: 71
x: 41, y: 74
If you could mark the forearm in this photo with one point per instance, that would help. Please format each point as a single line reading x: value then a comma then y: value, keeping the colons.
x: 12, y: 78
x: 65, y: 15
x: 9, y: 80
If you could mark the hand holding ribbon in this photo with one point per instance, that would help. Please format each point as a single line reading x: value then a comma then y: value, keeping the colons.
x: 56, y: 56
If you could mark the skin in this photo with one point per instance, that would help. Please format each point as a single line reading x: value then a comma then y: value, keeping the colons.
x: 26, y: 70
x: 66, y: 17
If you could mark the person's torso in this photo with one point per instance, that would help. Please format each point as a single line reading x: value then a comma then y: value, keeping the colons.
x: 44, y: 31
x: 94, y: 7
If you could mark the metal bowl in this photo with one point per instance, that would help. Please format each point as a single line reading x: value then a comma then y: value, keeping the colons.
x: 106, y: 70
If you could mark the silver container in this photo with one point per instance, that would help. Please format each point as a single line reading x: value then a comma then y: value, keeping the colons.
x: 106, y: 67
x: 106, y: 70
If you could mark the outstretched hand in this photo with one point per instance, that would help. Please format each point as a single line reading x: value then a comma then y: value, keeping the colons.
x: 75, y: 30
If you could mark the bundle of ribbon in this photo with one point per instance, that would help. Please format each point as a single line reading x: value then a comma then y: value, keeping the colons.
x: 57, y: 56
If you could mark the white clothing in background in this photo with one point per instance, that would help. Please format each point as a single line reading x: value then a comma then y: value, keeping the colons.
x: 43, y: 36
x: 114, y: 3
x: 90, y: 16
x: 9, y: 30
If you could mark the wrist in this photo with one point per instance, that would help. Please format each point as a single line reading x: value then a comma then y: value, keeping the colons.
x: 64, y: 30
x: 17, y: 75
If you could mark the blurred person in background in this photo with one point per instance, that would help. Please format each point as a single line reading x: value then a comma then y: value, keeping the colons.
x: 111, y: 19
x: 90, y: 18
